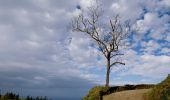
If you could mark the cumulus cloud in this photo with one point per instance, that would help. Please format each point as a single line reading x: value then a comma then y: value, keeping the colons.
x: 128, y: 10
x: 155, y: 25
x: 146, y: 65
x: 33, y: 47
x: 150, y: 47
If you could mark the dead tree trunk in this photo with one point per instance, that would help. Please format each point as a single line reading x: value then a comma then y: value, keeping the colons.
x: 108, y: 71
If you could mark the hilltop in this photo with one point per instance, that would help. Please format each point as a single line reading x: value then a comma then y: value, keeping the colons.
x: 159, y: 91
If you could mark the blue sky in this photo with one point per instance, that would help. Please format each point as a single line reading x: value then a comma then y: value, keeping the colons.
x: 39, y: 55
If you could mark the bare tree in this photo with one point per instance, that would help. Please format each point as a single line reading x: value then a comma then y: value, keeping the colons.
x: 108, y: 37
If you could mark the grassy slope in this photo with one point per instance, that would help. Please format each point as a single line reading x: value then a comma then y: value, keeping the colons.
x: 160, y: 91
x: 97, y: 92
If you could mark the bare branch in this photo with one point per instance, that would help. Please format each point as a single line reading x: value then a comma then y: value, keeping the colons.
x: 116, y: 55
x: 117, y: 63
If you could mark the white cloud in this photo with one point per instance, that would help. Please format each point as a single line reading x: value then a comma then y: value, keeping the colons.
x: 157, y: 26
x: 165, y: 51
x: 87, y: 3
x: 127, y: 9
x: 165, y: 2
x: 83, y: 53
x: 150, y: 47
x: 151, y: 66
x: 168, y: 37
x: 33, y: 47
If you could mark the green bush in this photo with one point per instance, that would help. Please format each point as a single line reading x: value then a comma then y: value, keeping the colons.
x: 96, y: 93
x: 160, y: 91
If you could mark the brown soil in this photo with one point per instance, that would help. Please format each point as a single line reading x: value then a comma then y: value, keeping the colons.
x: 127, y: 95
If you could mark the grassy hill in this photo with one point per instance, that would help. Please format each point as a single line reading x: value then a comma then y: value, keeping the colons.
x: 97, y: 93
x: 161, y: 91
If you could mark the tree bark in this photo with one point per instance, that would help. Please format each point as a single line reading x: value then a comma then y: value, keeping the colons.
x: 108, y: 71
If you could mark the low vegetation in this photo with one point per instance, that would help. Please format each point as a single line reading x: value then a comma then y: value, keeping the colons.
x: 13, y: 96
x: 160, y: 91
x: 97, y: 92
x: 9, y: 96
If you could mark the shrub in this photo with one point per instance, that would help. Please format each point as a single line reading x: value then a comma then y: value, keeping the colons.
x: 96, y: 93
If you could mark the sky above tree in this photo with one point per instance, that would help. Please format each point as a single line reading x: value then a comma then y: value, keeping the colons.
x: 39, y: 55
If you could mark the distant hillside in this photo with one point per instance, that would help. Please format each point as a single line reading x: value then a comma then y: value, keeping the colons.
x: 13, y: 96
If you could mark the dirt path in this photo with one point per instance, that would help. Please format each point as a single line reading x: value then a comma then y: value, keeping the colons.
x: 127, y: 95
